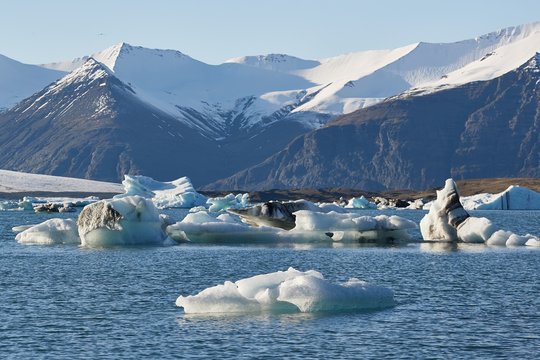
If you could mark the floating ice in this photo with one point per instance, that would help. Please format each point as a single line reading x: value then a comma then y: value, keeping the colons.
x: 286, y: 291
x: 349, y: 227
x: 50, y: 232
x: 360, y: 203
x: 279, y: 214
x: 447, y: 220
x: 513, y: 198
x: 178, y: 193
x: 230, y: 201
x: 130, y: 220
x: 201, y: 227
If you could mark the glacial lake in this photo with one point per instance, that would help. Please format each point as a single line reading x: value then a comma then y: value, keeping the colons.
x: 463, y: 302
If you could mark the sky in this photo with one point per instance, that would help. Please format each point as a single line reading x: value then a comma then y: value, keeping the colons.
x: 38, y: 31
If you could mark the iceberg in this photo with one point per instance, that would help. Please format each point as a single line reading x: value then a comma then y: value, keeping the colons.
x: 447, y: 220
x: 309, y: 227
x: 513, y: 198
x: 349, y: 227
x: 50, y: 232
x: 230, y: 201
x: 201, y: 227
x: 360, y: 203
x: 278, y: 214
x: 178, y: 193
x: 130, y: 220
x: 287, y: 291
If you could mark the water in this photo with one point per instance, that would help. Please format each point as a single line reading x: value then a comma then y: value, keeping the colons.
x: 65, y: 302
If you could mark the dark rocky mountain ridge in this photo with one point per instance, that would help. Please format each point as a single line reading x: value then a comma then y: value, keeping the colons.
x: 477, y: 130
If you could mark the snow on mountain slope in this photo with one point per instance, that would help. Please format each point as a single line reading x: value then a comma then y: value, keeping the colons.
x: 493, y: 64
x: 255, y: 91
x: 275, y: 62
x: 18, y: 81
x: 14, y: 181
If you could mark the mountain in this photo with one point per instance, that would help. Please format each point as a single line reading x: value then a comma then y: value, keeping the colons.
x: 19, y: 81
x: 226, y: 117
x: 480, y: 129
x: 91, y: 125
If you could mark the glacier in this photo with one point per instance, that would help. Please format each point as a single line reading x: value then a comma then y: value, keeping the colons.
x: 287, y: 291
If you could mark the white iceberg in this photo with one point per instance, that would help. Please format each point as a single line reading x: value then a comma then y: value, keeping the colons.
x: 360, y: 203
x: 130, y: 220
x: 50, y: 232
x: 201, y: 227
x: 310, y: 227
x: 513, y: 198
x: 286, y: 291
x: 229, y: 201
x: 348, y: 227
x: 447, y: 220
x: 178, y: 193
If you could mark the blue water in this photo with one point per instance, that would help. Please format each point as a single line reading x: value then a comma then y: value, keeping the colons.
x: 463, y: 302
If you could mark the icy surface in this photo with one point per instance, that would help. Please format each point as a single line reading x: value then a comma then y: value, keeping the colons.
x: 130, y: 220
x: 14, y: 181
x: 286, y: 291
x: 513, y: 198
x: 229, y: 201
x: 50, y: 232
x: 178, y: 193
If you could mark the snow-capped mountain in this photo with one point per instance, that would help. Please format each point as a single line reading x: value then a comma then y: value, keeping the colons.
x: 18, y: 81
x: 248, y: 108
x: 480, y: 129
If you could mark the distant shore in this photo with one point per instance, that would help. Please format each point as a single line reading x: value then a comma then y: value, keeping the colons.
x: 466, y: 188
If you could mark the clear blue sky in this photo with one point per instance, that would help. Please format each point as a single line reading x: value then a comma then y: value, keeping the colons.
x: 38, y: 31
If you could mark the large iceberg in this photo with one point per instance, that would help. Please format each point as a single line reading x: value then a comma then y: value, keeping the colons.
x: 447, y: 220
x: 50, y: 232
x: 130, y: 220
x: 287, y: 291
x: 178, y: 193
x: 513, y: 198
x: 309, y: 227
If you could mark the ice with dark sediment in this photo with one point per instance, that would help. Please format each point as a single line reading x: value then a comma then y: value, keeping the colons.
x: 447, y: 220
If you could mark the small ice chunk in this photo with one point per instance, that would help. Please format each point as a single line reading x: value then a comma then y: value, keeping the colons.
x: 475, y: 230
x: 286, y: 291
x: 360, y: 203
x: 230, y: 201
x: 499, y: 238
x: 533, y: 241
x: 51, y: 232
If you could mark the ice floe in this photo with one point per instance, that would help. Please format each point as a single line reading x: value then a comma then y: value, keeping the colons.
x: 130, y: 220
x: 513, y: 198
x: 50, y: 232
x: 178, y: 193
x: 447, y: 220
x: 287, y: 291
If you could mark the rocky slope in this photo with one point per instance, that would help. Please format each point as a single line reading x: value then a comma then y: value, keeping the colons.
x: 477, y: 130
